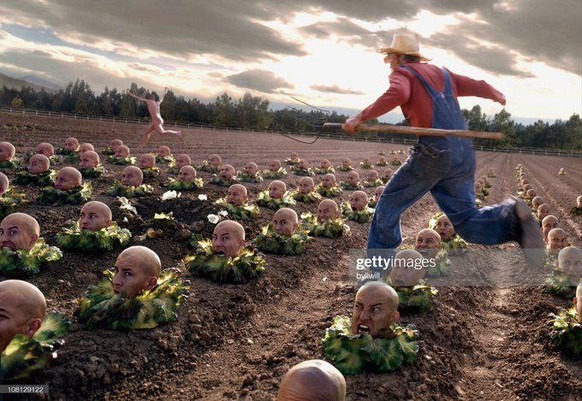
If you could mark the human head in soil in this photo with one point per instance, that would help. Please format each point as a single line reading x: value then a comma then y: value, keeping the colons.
x: 548, y: 224
x: 306, y: 185
x: 122, y: 152
x: 444, y: 228
x: 327, y: 210
x: 557, y: 239
x: 379, y: 191
x: 328, y: 181
x: 115, y: 143
x: 228, y: 238
x: 353, y: 178
x: 578, y: 302
x: 274, y: 165
x: 372, y: 176
x: 71, y: 144
x: 136, y: 270
x: 277, y: 189
x: 358, y: 200
x: 285, y: 222
x: 387, y: 174
x: 237, y: 195
x: 346, y: 162
x: 570, y: 262
x: 4, y: 184
x: 536, y: 202
x: 19, y: 232
x: 227, y: 172
x: 46, y: 149
x: 183, y: 160
x: 94, y: 216
x: 579, y: 201
x: 543, y: 211
x: 68, y: 178
x: 215, y: 160
x: 132, y: 176
x: 89, y: 159
x: 478, y: 187
x: 187, y: 174
x: 22, y: 310
x: 294, y: 156
x: 428, y: 243
x: 313, y: 380
x: 251, y: 168
x: 7, y: 151
x: 303, y: 164
x: 530, y: 194
x: 408, y: 269
x: 325, y: 164
x: 375, y: 309
x: 164, y: 151
x: 84, y: 147
x: 146, y: 161
x: 38, y: 164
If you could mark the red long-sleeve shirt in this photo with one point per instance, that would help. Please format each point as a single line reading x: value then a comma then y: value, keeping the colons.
x: 408, y: 92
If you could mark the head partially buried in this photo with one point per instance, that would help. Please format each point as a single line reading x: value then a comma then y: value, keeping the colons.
x: 215, y: 160
x: 95, y: 216
x: 7, y: 151
x: 187, y: 174
x: 444, y: 228
x: 227, y: 172
x: 578, y: 302
x: 274, y: 165
x: 327, y: 210
x: 530, y: 194
x: 115, y: 143
x: 325, y: 164
x: 237, y: 195
x: 71, y: 144
x: 19, y: 231
x: 46, y: 149
x: 557, y: 239
x: 570, y: 262
x: 122, y: 152
x: 313, y: 380
x: 346, y: 162
x: 228, y: 238
x: 285, y: 222
x: 251, y: 168
x: 277, y: 189
x: 22, y: 310
x: 146, y: 161
x: 38, y: 164
x: 328, y: 181
x: 387, y: 174
x: 132, y: 176
x: 353, y: 178
x: 407, y: 270
x: 164, y: 151
x: 543, y: 211
x: 536, y: 202
x: 306, y: 185
x: 548, y: 224
x: 68, y: 178
x: 89, y: 159
x: 358, y: 200
x: 84, y: 147
x: 372, y: 176
x: 428, y: 243
x: 4, y: 184
x: 183, y: 160
x: 375, y: 309
x: 136, y: 270
x: 379, y: 191
x: 303, y: 164
x: 579, y: 201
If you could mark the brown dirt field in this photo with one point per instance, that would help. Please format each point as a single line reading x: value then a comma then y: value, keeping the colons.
x: 235, y: 342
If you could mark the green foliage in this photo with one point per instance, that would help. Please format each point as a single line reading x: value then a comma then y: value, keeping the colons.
x: 567, y: 332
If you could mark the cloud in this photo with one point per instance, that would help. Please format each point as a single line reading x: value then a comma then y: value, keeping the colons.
x: 260, y: 80
x: 335, y: 89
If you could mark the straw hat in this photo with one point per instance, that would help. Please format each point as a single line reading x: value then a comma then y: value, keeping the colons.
x: 404, y: 43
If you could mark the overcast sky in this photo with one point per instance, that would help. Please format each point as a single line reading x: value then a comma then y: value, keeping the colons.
x: 323, y: 51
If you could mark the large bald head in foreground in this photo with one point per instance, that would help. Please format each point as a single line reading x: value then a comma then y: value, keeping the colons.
x: 136, y: 270
x: 570, y: 262
x: 22, y: 310
x: 19, y: 231
x: 375, y: 309
x: 313, y: 380
x: 228, y: 238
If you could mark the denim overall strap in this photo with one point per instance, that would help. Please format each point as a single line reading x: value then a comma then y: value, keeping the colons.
x: 446, y: 111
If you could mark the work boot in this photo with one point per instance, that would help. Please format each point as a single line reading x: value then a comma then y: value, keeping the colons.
x: 529, y: 235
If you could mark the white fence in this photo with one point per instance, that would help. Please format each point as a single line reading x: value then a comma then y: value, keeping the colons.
x: 329, y: 135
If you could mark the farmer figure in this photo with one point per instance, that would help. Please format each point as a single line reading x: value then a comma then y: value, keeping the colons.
x: 156, y: 118
x: 445, y: 166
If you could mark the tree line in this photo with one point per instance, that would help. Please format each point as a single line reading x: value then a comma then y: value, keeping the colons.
x: 252, y: 112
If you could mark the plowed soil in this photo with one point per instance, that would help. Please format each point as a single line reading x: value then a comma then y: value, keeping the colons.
x: 235, y: 342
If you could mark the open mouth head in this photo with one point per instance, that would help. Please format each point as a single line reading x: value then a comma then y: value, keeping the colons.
x: 363, y: 328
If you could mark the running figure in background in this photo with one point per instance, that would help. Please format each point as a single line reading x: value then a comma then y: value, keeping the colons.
x: 156, y: 118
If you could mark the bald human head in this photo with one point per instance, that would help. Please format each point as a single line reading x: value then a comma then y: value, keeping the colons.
x: 285, y: 221
x: 327, y: 210
x: 132, y: 176
x: 306, y: 185
x: 237, y: 195
x: 570, y: 262
x: 548, y: 224
x: 251, y: 168
x: 183, y: 160
x: 358, y: 200
x: 146, y: 161
x: 85, y: 147
x: 375, y: 309
x: 89, y: 159
x: 215, y: 160
x: 38, y: 164
x: 228, y: 238
x: 136, y: 270
x: 122, y: 151
x: 22, y: 310
x: 277, y: 189
x: 46, y: 149
x: 19, y: 231
x: 428, y: 243
x: 95, y: 216
x: 557, y: 239
x: 7, y: 151
x: 68, y: 178
x: 71, y: 144
x: 313, y: 380
x: 227, y: 172
x: 4, y: 184
x: 408, y: 269
x: 164, y: 151
x: 187, y: 173
x: 328, y: 181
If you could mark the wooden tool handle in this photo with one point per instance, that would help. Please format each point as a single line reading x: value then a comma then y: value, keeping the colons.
x: 398, y: 129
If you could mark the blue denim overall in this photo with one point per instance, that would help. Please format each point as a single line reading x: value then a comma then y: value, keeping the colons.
x: 445, y: 166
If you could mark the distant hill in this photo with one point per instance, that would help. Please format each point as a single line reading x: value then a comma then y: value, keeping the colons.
x: 41, y: 82
x: 10, y: 82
